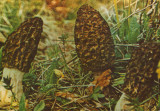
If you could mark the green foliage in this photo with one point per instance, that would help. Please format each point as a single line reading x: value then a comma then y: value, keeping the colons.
x: 51, y: 78
x: 134, y: 30
x: 123, y: 30
x: 120, y: 80
x: 1, y: 58
x: 22, y: 103
x: 40, y: 106
x: 129, y: 31
x: 134, y: 103
x: 111, y: 103
x: 71, y: 16
x: 10, y: 16
x: 49, y: 89
x: 62, y: 100
x: 63, y: 38
x: 145, y: 28
x: 30, y: 82
x: 158, y: 106
x: 30, y: 79
x: 8, y: 85
x: 49, y: 85
x: 158, y: 32
x: 54, y: 51
x: 96, y: 94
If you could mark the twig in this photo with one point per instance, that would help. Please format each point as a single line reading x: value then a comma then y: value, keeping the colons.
x: 76, y: 86
x: 53, y: 104
x: 149, y: 98
x: 69, y: 62
x: 125, y: 59
x: 121, y: 52
x: 117, y: 89
x: 128, y: 45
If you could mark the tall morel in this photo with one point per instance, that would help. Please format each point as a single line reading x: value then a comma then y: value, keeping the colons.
x: 18, y: 53
x: 94, y: 44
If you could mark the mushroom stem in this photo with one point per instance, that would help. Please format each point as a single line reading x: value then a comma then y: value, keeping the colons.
x: 16, y: 81
x: 122, y: 103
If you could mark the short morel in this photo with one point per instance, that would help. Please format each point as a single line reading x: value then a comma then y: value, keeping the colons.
x: 141, y: 73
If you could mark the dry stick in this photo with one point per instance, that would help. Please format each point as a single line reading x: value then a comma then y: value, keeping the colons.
x: 121, y: 52
x: 132, y: 4
x: 113, y: 5
x: 138, y: 11
x: 81, y: 105
x: 149, y: 98
x: 53, y: 104
x: 42, y: 9
x: 128, y: 45
x: 109, y: 104
x: 69, y: 62
x: 117, y: 89
x: 115, y: 44
x: 136, y: 5
x: 77, y: 86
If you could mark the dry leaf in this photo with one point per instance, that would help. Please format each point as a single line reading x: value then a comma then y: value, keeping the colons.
x: 103, y: 80
x: 70, y: 96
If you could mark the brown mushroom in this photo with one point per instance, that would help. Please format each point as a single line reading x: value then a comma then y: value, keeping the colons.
x: 94, y: 43
x: 18, y: 53
x: 141, y: 73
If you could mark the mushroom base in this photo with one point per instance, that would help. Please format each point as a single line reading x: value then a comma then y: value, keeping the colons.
x: 16, y: 81
x: 122, y: 104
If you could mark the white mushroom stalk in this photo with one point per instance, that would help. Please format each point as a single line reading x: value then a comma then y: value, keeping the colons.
x: 18, y: 53
x: 16, y: 81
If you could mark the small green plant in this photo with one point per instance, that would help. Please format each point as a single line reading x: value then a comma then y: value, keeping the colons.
x: 158, y: 106
x: 1, y: 58
x: 22, y: 106
x: 97, y: 94
x: 8, y: 85
x: 30, y: 82
x: 40, y: 106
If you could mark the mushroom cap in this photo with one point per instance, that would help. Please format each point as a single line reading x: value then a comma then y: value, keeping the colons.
x: 141, y: 70
x: 21, y: 45
x: 94, y: 44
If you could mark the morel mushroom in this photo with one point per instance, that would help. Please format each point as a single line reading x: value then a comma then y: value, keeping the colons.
x: 18, y: 53
x: 94, y: 44
x: 141, y: 73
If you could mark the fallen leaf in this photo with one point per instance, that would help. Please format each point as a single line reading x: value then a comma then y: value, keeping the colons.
x: 103, y: 80
x: 70, y: 96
